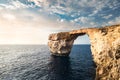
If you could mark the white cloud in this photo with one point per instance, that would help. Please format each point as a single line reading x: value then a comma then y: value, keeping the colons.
x: 57, y: 9
x: 98, y: 6
x: 112, y: 22
x: 23, y: 31
x: 82, y: 19
x: 115, y: 21
x: 108, y: 16
x: 65, y: 7
x: 115, y: 4
x: 13, y: 5
x: 85, y: 22
x: 78, y: 8
x: 8, y: 16
x: 1, y: 8
x: 6, y: 6
x: 40, y: 3
x: 18, y: 4
x: 101, y: 4
x: 26, y: 27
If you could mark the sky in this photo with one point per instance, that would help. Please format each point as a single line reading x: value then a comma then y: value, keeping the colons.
x: 31, y: 21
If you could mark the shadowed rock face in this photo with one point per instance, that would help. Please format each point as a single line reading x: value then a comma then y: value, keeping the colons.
x: 105, y: 47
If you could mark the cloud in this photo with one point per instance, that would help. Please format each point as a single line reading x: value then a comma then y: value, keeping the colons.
x: 77, y: 5
x: 28, y: 18
x: 114, y: 21
x: 39, y: 3
x: 23, y: 28
x: 104, y: 6
x: 8, y: 16
x: 83, y: 11
x: 98, y: 6
x: 13, y: 5
x: 84, y: 22
x: 26, y: 27
x: 69, y: 10
x: 108, y: 16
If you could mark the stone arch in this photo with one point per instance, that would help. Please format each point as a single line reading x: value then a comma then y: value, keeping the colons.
x: 103, y: 46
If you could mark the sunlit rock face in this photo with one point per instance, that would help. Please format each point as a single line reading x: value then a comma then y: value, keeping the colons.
x: 61, y: 43
x: 105, y: 47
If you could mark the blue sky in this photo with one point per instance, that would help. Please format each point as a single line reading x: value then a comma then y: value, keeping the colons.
x: 31, y: 21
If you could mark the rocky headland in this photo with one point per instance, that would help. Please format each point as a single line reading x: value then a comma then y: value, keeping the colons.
x: 105, y: 47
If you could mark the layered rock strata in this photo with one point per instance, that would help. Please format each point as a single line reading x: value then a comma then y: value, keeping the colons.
x: 105, y: 47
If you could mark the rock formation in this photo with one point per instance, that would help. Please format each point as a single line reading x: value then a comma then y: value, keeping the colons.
x: 105, y: 47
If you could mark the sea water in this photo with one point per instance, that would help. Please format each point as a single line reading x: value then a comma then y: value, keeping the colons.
x: 34, y: 62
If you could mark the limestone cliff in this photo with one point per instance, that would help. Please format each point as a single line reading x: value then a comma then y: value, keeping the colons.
x: 105, y: 47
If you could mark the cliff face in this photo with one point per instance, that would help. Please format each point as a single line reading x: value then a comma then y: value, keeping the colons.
x: 105, y: 47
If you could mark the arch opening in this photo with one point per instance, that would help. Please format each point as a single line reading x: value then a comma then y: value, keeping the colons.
x: 84, y: 39
x: 81, y: 57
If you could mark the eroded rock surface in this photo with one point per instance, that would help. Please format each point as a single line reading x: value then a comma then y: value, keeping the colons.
x: 105, y: 47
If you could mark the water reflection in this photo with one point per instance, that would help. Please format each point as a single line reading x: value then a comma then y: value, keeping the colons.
x: 59, y: 68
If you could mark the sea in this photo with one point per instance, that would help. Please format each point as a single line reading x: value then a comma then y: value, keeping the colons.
x: 35, y: 62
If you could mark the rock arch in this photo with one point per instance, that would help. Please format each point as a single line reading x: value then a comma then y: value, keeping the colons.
x: 105, y: 47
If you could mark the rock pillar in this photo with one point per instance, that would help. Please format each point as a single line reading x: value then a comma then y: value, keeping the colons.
x: 60, y: 44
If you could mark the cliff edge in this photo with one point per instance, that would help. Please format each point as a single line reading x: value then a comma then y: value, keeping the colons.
x: 105, y: 47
